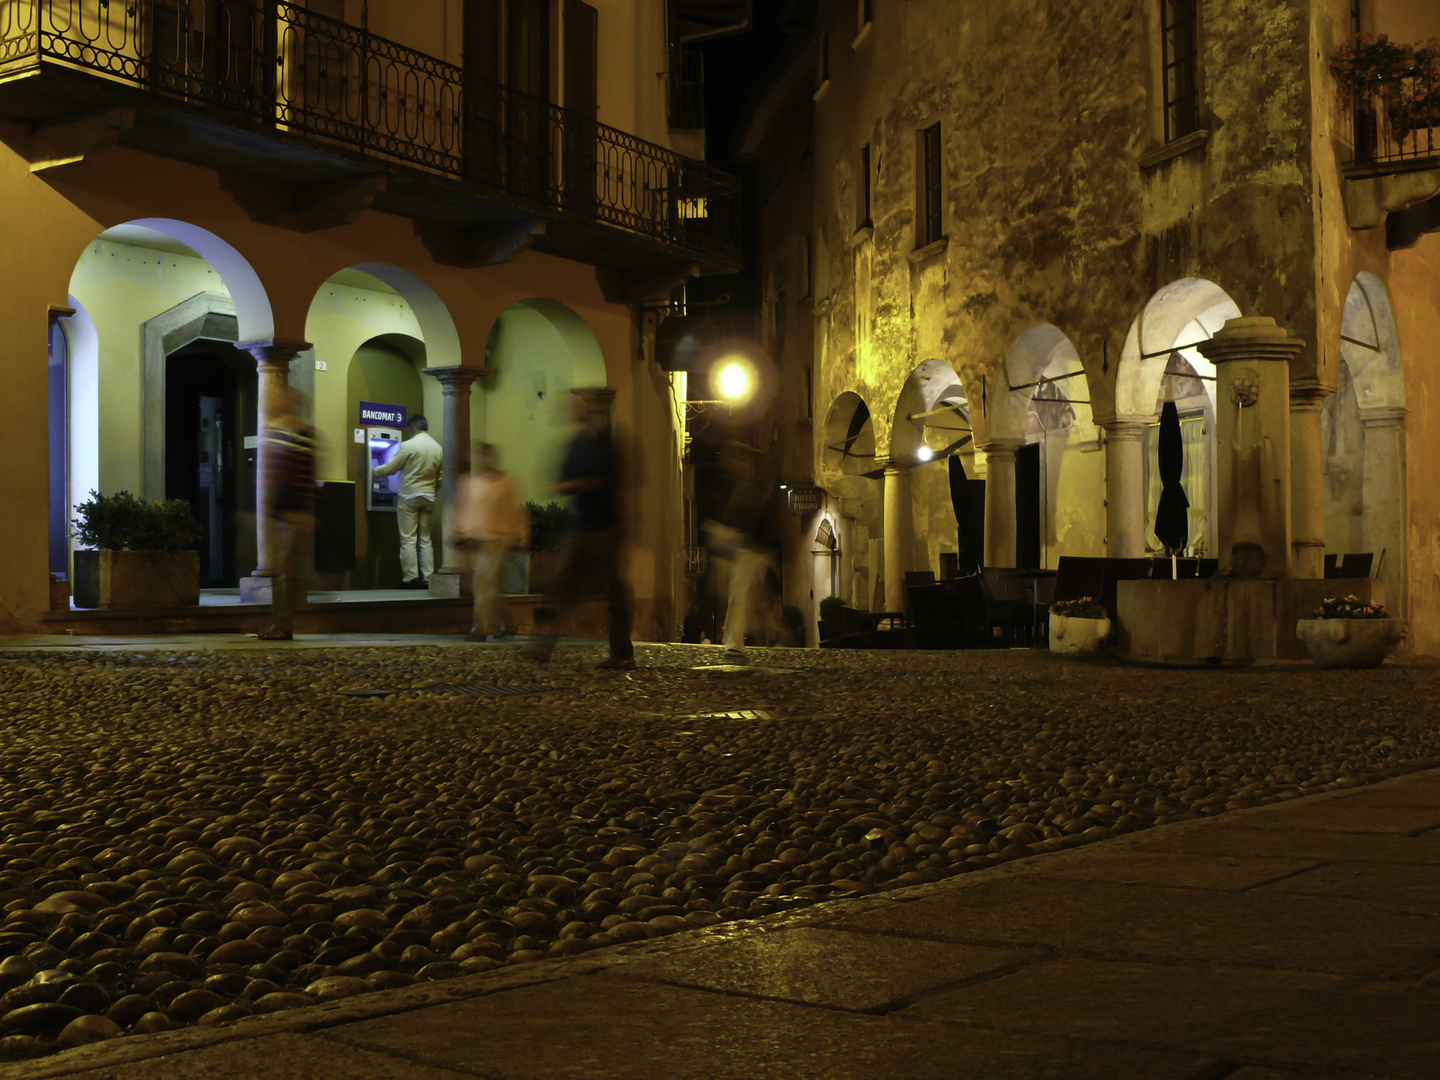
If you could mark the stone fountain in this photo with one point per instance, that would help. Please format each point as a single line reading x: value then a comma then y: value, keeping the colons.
x: 1246, y: 613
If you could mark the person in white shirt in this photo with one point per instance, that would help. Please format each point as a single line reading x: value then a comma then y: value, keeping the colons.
x: 418, y: 462
x: 487, y: 522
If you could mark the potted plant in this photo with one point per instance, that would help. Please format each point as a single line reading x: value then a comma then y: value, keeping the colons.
x: 830, y: 609
x: 525, y: 570
x: 1078, y: 627
x: 138, y: 552
x: 1349, y: 632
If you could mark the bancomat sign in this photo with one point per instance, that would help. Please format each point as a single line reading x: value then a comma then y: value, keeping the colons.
x: 373, y: 414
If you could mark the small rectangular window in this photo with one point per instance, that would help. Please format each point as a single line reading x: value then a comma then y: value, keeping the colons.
x: 931, y: 222
x: 862, y: 194
x: 1180, y: 58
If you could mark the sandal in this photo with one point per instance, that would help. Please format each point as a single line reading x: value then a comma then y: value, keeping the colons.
x: 274, y: 634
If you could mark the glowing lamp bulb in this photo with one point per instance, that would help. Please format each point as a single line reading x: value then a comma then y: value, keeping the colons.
x: 734, y: 381
x: 924, y: 453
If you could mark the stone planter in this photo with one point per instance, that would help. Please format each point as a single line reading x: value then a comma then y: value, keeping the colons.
x: 1074, y: 636
x: 125, y: 579
x: 1348, y: 643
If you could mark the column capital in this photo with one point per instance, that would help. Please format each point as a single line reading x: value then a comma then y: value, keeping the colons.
x: 1378, y: 416
x: 1123, y: 428
x: 1254, y: 338
x: 891, y: 465
x: 1001, y: 447
x: 455, y: 377
x: 1309, y: 392
x: 270, y: 351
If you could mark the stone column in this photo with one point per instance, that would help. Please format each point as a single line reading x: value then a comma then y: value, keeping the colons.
x: 272, y: 359
x: 451, y: 579
x: 1307, y: 479
x: 1000, y: 501
x: 1252, y: 359
x: 1386, y: 522
x: 1125, y: 487
x: 899, y: 534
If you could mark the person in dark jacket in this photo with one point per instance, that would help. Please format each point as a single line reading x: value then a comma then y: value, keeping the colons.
x: 591, y: 549
x: 741, y: 536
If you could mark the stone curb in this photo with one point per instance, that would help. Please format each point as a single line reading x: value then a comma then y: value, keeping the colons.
x: 380, y: 1003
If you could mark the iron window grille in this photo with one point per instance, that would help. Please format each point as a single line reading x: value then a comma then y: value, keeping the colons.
x: 1180, y: 59
x: 863, y: 218
x: 931, y: 223
x: 279, y: 67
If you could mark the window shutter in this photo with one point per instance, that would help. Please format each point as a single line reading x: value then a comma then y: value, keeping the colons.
x: 581, y: 45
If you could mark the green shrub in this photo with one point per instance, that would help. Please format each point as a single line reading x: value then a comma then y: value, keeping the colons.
x: 548, y: 524
x: 125, y: 522
x: 830, y: 609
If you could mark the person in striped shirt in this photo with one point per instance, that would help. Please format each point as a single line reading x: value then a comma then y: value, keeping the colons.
x: 287, y: 462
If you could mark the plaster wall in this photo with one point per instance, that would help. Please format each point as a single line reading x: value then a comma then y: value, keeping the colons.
x: 1415, y: 293
x: 122, y: 287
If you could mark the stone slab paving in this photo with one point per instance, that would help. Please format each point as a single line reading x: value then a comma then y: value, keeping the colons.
x: 991, y: 865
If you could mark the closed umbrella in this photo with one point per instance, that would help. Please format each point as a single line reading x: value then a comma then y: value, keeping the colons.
x: 1172, y: 517
x: 961, y: 502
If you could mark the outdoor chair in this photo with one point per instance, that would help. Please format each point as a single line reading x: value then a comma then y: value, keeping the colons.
x: 965, y: 611
x: 1356, y: 566
x: 1332, y: 566
x: 1044, y: 597
x: 919, y: 577
x: 930, y: 621
x: 1007, y: 608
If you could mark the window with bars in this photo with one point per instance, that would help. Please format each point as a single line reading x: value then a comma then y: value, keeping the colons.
x: 1180, y: 59
x: 862, y: 190
x: 930, y: 218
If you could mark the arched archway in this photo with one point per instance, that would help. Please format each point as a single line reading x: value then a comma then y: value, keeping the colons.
x: 173, y: 399
x: 1060, y: 478
x: 932, y: 436
x: 1161, y: 362
x: 1363, y: 435
x: 538, y: 351
x: 847, y: 471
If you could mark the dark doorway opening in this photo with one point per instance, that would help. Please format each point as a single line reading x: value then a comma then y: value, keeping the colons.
x: 210, y: 405
x: 1027, y: 506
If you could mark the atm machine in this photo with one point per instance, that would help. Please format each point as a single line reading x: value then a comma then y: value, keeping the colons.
x: 380, y: 446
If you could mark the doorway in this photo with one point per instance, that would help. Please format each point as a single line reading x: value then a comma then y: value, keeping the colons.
x: 210, y: 403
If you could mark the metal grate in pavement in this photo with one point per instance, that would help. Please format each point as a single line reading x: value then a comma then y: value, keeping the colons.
x: 734, y: 714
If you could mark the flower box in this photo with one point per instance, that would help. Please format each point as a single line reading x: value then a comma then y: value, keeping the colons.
x: 1349, y: 643
x: 134, y: 579
x: 1075, y: 635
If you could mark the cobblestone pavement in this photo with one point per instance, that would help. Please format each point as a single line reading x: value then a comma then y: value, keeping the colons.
x: 190, y: 837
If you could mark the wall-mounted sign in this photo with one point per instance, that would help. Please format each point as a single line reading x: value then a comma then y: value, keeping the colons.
x: 375, y: 415
x: 805, y: 500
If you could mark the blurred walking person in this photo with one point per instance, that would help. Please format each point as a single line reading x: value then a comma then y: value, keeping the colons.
x: 418, y: 461
x: 487, y: 522
x: 287, y: 460
x: 591, y: 550
x: 741, y: 536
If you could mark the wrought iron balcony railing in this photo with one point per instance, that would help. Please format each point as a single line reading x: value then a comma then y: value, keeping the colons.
x: 1395, y: 131
x: 278, y: 66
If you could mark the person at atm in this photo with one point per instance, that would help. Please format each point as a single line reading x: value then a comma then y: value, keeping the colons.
x: 418, y: 462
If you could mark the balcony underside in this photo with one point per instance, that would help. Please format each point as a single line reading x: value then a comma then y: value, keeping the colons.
x: 306, y: 181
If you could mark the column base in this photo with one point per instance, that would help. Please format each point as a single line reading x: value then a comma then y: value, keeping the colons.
x: 257, y: 590
x: 449, y: 585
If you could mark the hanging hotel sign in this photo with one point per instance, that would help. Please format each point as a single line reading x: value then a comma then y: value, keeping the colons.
x: 376, y: 415
x: 804, y: 500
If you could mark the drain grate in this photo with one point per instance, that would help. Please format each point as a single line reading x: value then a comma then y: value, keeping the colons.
x: 487, y: 689
x: 734, y: 714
